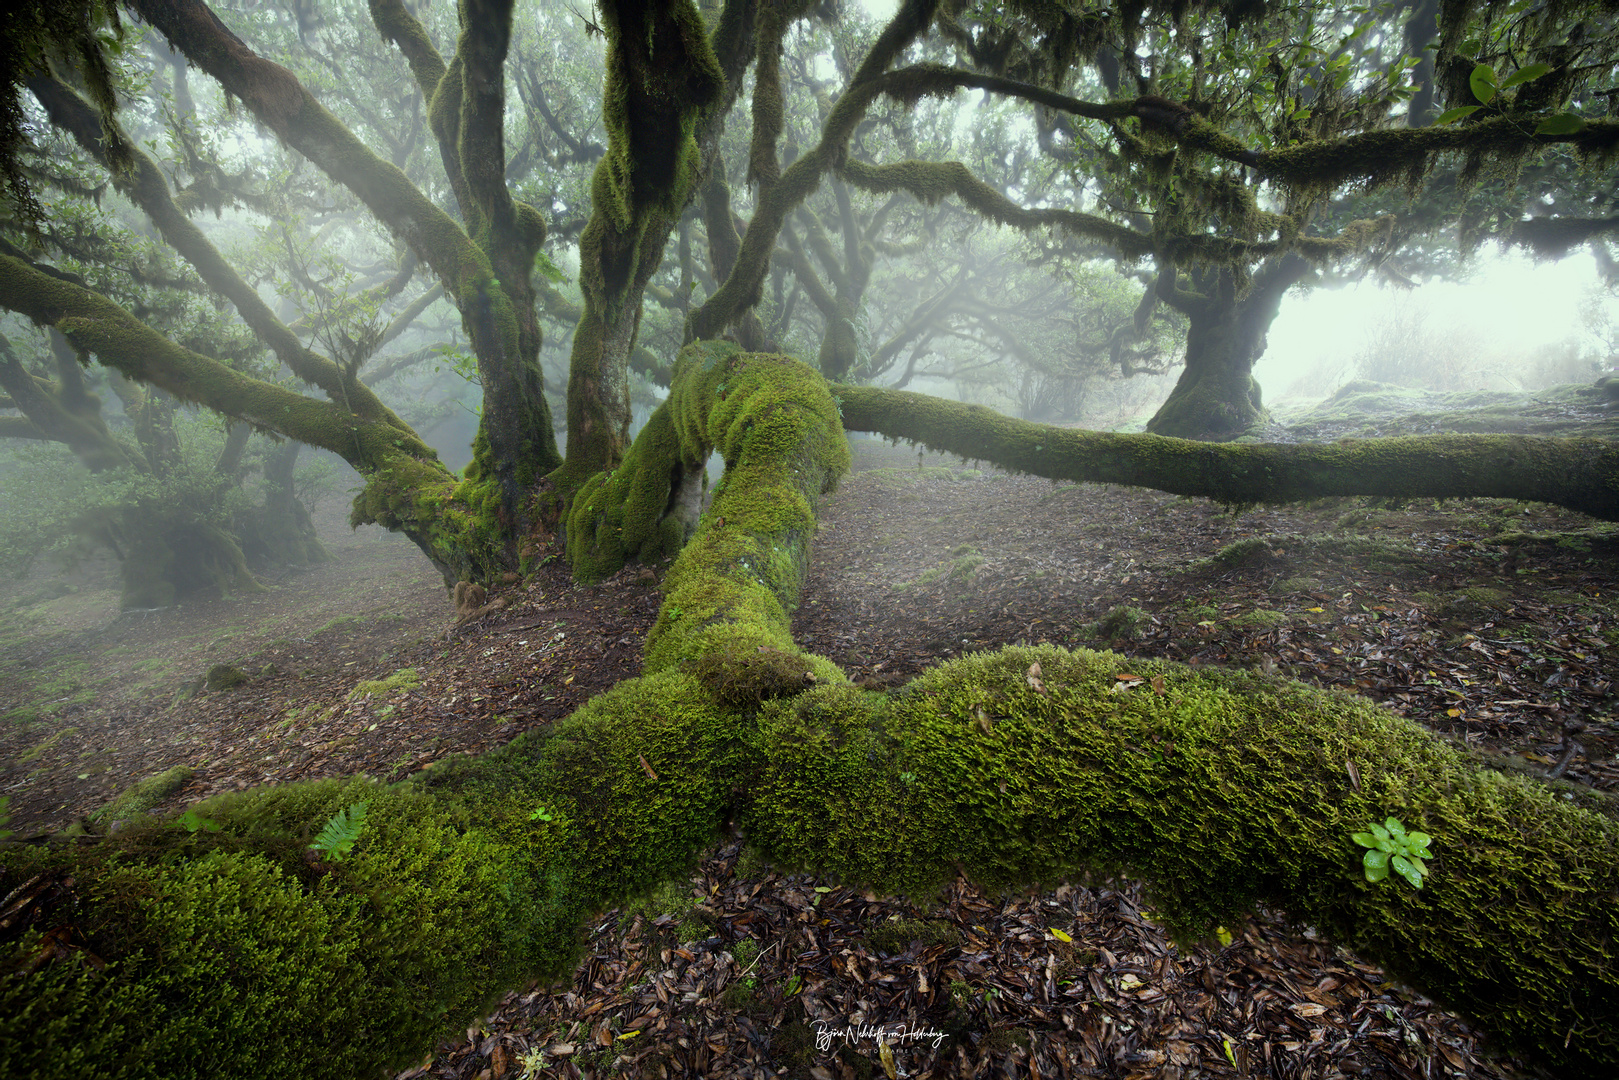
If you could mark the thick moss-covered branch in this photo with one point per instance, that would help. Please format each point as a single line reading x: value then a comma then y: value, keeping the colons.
x: 775, y: 425
x: 397, y: 24
x: 1376, y: 158
x: 1581, y: 474
x: 1222, y: 790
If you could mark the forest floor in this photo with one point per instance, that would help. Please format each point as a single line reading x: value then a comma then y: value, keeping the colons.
x: 1489, y: 621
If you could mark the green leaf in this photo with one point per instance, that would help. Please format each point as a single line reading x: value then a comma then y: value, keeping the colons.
x: 1364, y: 839
x: 1380, y: 832
x: 1526, y: 74
x: 194, y: 822
x: 1407, y: 871
x: 1418, y: 843
x: 1394, y: 827
x: 1482, y: 82
x: 1561, y: 124
x: 1377, y: 865
x: 341, y: 833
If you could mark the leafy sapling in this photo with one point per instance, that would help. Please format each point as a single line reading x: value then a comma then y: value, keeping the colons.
x: 195, y: 822
x: 337, y: 839
x: 1390, y: 846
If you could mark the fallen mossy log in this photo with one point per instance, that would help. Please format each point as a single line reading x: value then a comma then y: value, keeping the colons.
x: 1581, y: 474
x: 221, y: 945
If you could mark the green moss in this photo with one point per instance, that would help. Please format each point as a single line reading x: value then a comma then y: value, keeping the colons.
x: 747, y: 680
x: 222, y: 677
x: 1122, y: 623
x: 897, y: 934
x: 1260, y: 618
x: 1011, y: 782
x: 141, y: 797
x: 402, y: 681
x: 236, y: 956
x: 672, y: 897
x: 1575, y: 473
x: 776, y: 426
x: 636, y: 783
x: 1241, y: 553
x: 1223, y: 790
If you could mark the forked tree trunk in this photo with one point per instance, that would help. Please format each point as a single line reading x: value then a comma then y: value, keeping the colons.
x: 1216, y: 397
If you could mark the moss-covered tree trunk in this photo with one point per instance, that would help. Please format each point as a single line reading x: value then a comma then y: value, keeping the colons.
x: 484, y: 261
x: 1216, y: 396
x: 663, y: 105
x: 515, y: 444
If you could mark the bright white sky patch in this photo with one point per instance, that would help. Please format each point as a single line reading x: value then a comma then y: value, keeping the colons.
x: 1511, y: 302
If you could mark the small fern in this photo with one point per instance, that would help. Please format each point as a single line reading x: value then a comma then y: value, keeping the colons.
x: 337, y: 839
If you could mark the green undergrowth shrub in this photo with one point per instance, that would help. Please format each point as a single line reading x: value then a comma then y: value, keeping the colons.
x: 233, y: 951
x: 1224, y: 790
x: 1122, y: 621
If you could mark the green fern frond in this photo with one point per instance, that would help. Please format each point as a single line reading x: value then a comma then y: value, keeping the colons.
x: 337, y: 839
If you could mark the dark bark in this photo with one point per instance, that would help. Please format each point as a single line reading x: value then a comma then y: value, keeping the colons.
x: 664, y: 115
x: 1216, y: 397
